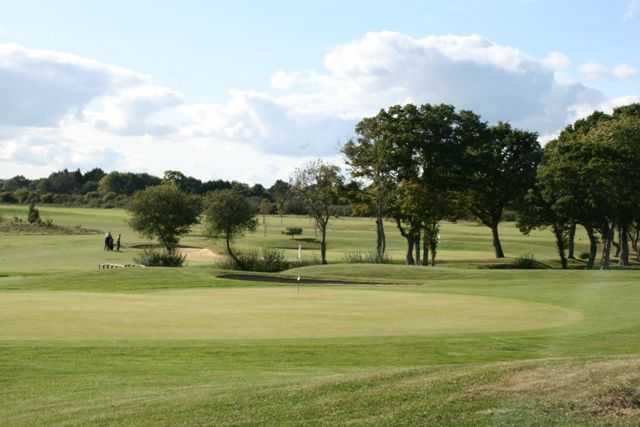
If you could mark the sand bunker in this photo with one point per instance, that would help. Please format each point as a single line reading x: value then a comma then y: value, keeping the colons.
x: 201, y: 255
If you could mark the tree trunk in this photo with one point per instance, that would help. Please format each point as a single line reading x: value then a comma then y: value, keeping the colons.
x: 607, y: 238
x: 624, y: 245
x: 410, y: 242
x: 434, y: 250
x: 410, y: 238
x: 593, y: 246
x: 613, y: 241
x: 264, y: 224
x: 323, y: 244
x: 560, y: 244
x: 635, y: 236
x: 381, y: 241
x: 425, y: 247
x: 572, y: 242
x: 230, y: 251
x: 496, y: 241
x: 417, y: 249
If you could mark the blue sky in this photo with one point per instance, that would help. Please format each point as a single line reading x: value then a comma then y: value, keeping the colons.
x: 192, y: 62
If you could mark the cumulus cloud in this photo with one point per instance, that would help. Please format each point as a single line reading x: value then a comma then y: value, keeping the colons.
x: 41, y: 150
x: 61, y: 110
x: 624, y: 71
x: 136, y: 111
x: 595, y: 71
x: 580, y: 111
x: 267, y: 124
x: 499, y: 82
x: 40, y: 87
x: 557, y: 61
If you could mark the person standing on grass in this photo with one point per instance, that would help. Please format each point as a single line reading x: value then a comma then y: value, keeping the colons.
x: 108, y: 242
x: 118, y: 243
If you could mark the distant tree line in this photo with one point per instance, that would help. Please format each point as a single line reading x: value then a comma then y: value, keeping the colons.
x: 95, y: 188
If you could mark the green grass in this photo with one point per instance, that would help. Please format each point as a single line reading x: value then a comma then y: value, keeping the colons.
x: 452, y: 345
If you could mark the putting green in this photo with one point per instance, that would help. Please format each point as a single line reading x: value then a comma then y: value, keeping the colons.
x: 264, y: 313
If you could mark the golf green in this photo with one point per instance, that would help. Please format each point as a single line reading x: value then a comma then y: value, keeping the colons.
x: 276, y: 312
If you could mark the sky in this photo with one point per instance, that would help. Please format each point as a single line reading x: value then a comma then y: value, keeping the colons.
x: 251, y: 90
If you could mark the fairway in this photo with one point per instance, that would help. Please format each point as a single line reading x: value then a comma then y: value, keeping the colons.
x: 265, y: 313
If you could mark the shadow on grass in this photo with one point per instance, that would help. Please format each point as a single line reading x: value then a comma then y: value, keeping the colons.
x: 247, y: 277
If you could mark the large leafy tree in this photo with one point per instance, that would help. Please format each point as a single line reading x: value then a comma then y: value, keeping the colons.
x: 368, y: 156
x: 590, y: 174
x: 621, y: 136
x: 319, y: 186
x: 165, y: 213
x: 228, y: 214
x: 501, y: 167
x: 413, y: 157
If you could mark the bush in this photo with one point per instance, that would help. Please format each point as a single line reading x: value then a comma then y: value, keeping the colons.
x: 359, y: 257
x: 33, y: 217
x: 584, y: 256
x: 526, y: 262
x: 292, y: 231
x: 8, y: 197
x: 152, y: 258
x: 267, y: 261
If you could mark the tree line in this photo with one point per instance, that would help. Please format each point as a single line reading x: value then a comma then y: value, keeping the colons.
x: 429, y: 163
x: 96, y: 188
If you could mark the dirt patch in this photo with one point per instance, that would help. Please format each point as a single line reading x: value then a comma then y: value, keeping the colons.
x: 201, y: 255
x: 605, y: 388
x: 621, y: 400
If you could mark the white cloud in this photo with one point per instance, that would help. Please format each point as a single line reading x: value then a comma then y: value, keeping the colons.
x: 40, y: 87
x: 557, y: 61
x: 581, y: 111
x: 136, y: 111
x: 499, y: 82
x: 624, y: 71
x: 45, y: 149
x: 595, y: 71
x: 61, y: 110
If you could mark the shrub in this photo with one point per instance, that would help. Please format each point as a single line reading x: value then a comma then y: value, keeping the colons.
x: 273, y: 260
x: 293, y: 231
x: 359, y: 257
x: 526, y: 262
x: 267, y: 261
x: 8, y: 197
x: 33, y: 217
x: 584, y: 255
x: 152, y: 258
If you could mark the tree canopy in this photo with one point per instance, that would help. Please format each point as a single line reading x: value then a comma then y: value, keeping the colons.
x: 228, y: 214
x: 165, y: 213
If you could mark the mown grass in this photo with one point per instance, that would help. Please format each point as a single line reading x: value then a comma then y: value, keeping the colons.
x: 355, y: 361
